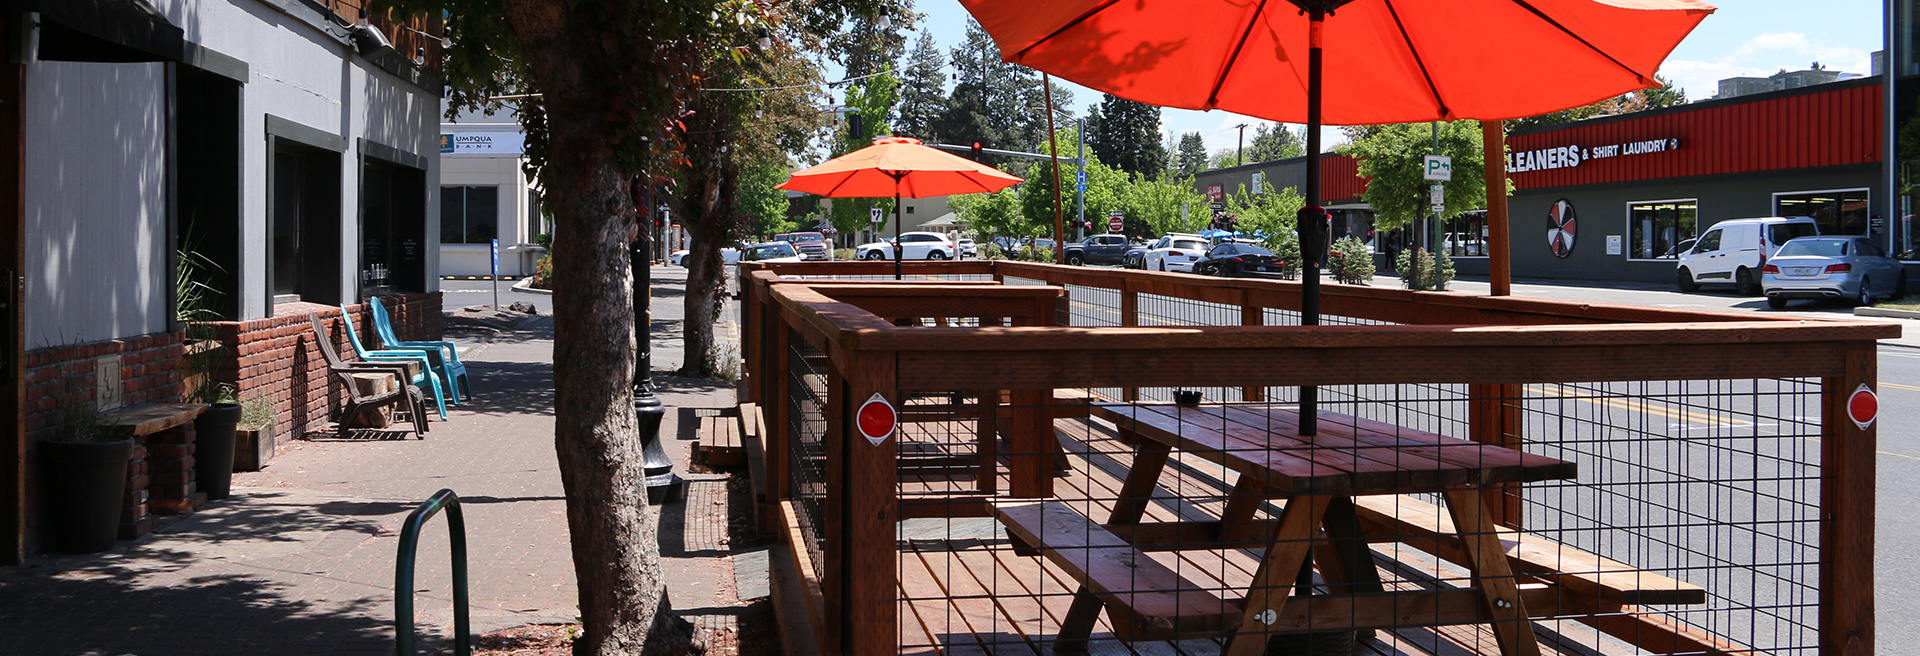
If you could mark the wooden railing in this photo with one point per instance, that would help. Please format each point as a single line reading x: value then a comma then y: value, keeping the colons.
x: 895, y: 339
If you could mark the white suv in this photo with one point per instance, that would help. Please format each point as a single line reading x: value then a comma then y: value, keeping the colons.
x: 914, y: 246
x: 1733, y: 251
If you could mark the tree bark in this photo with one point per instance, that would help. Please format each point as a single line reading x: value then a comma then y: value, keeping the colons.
x: 613, y: 531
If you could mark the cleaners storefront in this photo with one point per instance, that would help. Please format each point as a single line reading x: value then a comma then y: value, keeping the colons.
x: 1614, y: 198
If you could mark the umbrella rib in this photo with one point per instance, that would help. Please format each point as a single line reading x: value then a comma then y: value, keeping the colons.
x: 1070, y: 25
x: 1408, y: 39
x: 1214, y: 97
x: 1583, y: 41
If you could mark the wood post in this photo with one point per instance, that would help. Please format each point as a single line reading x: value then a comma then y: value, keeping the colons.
x: 1252, y: 314
x: 1493, y: 141
x: 1129, y: 316
x: 1493, y: 417
x: 871, y: 563
x: 1847, y: 475
x: 833, y: 579
x: 776, y: 403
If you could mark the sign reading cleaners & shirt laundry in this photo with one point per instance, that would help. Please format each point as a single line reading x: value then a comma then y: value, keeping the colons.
x: 483, y: 144
x: 1561, y: 157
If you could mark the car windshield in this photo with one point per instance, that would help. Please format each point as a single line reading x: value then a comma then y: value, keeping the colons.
x: 1816, y: 247
x: 808, y: 237
x: 1189, y: 244
x: 1249, y: 249
x: 769, y: 251
x: 1780, y: 233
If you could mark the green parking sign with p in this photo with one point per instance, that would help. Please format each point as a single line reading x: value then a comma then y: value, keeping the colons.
x: 1439, y: 167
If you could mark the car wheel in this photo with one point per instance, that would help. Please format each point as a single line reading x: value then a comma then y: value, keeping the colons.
x: 873, y: 255
x: 1777, y: 302
x: 1687, y: 283
x: 936, y: 255
x: 1746, y: 282
x: 1866, y: 293
x: 1074, y: 259
x: 1163, y: 266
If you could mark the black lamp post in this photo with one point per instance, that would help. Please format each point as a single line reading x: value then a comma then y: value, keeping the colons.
x: 662, y: 484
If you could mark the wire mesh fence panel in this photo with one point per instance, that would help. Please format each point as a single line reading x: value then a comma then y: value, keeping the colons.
x: 807, y: 426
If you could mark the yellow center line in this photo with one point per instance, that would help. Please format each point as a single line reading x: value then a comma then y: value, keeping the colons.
x: 1898, y: 386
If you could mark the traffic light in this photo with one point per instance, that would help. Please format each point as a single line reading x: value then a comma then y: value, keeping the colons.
x: 856, y: 127
x: 976, y: 151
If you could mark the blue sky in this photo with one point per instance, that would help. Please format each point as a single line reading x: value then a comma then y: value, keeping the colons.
x: 1745, y: 37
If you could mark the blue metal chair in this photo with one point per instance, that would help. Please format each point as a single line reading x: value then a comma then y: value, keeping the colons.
x: 450, y: 366
x: 426, y: 379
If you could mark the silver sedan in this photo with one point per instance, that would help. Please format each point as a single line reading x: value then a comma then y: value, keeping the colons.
x: 1851, y: 268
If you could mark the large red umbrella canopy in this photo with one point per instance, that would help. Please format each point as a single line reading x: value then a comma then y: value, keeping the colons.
x: 1387, y: 61
x: 898, y: 166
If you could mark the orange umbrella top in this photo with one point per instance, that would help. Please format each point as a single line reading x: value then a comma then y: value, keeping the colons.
x: 898, y: 166
x: 1387, y: 61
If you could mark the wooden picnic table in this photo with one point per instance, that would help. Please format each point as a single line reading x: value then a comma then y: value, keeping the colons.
x: 1317, y: 478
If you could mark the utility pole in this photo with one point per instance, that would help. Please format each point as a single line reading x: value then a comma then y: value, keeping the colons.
x: 1239, y: 152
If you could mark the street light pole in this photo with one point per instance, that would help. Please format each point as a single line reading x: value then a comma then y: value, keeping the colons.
x: 662, y: 485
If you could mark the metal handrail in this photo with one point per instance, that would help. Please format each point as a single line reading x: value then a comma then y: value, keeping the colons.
x: 403, y: 574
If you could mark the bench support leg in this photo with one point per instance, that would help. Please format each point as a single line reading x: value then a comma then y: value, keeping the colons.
x: 1135, y: 493
x: 1499, y: 593
x: 1275, y: 578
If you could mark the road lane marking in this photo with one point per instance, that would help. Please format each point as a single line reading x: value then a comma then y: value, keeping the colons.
x: 1899, y: 386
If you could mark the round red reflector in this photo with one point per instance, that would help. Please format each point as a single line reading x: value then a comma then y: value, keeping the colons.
x: 876, y: 419
x: 1863, y: 406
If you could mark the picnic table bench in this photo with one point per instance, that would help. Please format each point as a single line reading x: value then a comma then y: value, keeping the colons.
x: 1349, y: 481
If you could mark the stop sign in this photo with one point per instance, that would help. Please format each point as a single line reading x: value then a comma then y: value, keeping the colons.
x: 876, y: 419
x: 1863, y: 406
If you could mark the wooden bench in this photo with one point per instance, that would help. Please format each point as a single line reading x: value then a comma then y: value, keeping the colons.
x: 1137, y: 590
x: 1424, y: 526
x: 719, y: 444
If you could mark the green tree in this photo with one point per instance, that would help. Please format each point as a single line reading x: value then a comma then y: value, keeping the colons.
x: 923, y: 90
x: 1224, y: 158
x: 874, y: 99
x: 1193, y: 154
x: 765, y: 206
x: 1104, y: 188
x: 1639, y: 100
x: 1270, y: 214
x: 1169, y: 204
x: 994, y: 215
x: 1126, y: 135
x: 993, y: 102
x: 1274, y: 142
x: 608, y: 83
x: 1392, y: 157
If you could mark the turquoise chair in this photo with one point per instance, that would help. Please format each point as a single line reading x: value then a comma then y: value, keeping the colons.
x: 426, y: 379
x: 450, y: 366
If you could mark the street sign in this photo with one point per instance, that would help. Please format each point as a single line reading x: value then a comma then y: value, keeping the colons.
x: 1217, y: 206
x: 1080, y: 176
x: 1439, y: 167
x: 1083, y: 187
x: 1863, y: 406
x: 876, y: 419
x: 1437, y: 194
x: 876, y: 215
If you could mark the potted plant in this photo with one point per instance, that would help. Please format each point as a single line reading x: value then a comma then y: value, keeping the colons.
x: 253, y: 442
x: 204, y: 357
x: 86, y: 467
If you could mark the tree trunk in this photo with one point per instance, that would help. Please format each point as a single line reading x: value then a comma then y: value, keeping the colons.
x: 615, y: 543
x: 706, y: 285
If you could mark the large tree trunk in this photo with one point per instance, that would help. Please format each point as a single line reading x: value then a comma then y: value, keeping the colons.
x: 616, y: 551
x: 706, y: 287
x: 713, y: 183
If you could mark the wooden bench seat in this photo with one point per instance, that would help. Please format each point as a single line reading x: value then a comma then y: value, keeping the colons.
x: 719, y: 444
x: 1135, y: 588
x: 1424, y: 526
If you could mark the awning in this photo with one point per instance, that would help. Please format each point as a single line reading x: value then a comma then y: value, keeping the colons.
x: 103, y: 31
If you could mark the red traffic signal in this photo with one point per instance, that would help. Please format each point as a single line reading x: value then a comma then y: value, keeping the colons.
x: 976, y: 151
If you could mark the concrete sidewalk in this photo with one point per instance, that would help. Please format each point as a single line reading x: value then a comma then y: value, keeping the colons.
x: 300, y: 559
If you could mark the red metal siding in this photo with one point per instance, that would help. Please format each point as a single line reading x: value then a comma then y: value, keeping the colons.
x: 1340, y: 178
x: 1827, y: 128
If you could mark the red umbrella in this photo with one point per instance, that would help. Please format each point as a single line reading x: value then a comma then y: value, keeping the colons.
x: 900, y: 166
x: 1393, y: 61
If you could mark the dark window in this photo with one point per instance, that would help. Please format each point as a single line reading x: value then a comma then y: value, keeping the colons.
x: 305, y: 230
x: 1708, y: 243
x: 393, y: 224
x: 1780, y: 233
x: 909, y: 209
x: 468, y: 215
x: 1837, y: 212
x: 208, y: 177
x: 1655, y: 228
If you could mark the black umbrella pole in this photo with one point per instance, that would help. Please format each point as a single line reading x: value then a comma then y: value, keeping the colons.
x: 1312, y: 238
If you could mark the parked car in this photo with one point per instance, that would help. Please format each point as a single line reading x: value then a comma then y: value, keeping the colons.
x: 915, y: 246
x: 773, y: 251
x: 728, y: 255
x: 1136, y: 257
x: 967, y: 249
x: 1732, y: 251
x: 1043, y: 244
x: 1239, y: 260
x: 1175, y: 252
x: 1842, y: 267
x: 812, y: 245
x: 1098, y: 249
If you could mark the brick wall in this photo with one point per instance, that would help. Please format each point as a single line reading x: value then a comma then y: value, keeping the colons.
x: 149, y: 373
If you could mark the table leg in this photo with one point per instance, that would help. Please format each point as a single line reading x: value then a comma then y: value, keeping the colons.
x: 986, y: 435
x: 1236, y: 520
x: 1275, y: 578
x: 1499, y: 592
x: 1135, y: 493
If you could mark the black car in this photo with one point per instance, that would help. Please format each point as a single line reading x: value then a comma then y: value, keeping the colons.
x: 1233, y: 260
x: 1136, y: 257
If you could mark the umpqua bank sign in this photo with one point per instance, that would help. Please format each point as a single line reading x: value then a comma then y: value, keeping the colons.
x: 1561, y: 157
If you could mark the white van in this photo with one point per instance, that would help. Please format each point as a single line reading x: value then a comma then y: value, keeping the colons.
x: 1732, y: 251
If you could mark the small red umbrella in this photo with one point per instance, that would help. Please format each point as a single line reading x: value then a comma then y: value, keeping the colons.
x: 901, y: 167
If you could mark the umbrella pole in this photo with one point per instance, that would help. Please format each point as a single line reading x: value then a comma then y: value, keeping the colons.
x: 1053, y: 149
x: 1312, y: 253
x: 898, y: 248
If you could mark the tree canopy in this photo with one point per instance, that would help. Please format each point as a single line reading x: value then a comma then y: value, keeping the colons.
x: 923, y: 89
x: 1192, y: 156
x: 1393, y: 158
x: 1126, y: 135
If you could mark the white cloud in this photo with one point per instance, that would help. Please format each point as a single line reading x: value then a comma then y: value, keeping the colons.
x: 1760, y: 56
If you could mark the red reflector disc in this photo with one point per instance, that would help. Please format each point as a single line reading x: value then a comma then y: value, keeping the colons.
x: 876, y: 419
x: 1863, y: 406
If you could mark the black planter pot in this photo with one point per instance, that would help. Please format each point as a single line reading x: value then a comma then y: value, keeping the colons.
x: 213, y: 449
x: 86, y: 485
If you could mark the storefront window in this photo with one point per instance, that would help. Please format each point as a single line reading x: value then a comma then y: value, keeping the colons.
x: 1838, y: 211
x: 1656, y: 228
x: 1465, y: 235
x: 468, y: 215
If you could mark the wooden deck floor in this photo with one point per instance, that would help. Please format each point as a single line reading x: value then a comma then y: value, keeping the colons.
x: 963, y: 590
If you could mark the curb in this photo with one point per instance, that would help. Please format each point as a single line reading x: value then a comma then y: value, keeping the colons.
x: 1883, y: 312
x: 525, y: 286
